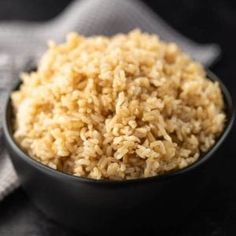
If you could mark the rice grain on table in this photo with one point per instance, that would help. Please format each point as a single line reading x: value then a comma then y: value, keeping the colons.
x: 120, y: 107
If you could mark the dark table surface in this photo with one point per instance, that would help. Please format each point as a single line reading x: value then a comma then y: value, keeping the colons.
x: 202, y: 21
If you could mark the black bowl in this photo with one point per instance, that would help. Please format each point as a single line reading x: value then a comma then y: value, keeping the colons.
x: 94, y: 205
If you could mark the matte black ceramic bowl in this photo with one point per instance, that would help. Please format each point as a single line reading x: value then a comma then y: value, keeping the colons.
x: 95, y: 205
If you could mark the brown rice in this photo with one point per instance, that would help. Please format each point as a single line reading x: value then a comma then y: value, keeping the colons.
x: 123, y: 107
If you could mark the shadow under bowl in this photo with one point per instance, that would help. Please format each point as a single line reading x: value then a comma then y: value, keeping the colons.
x: 109, y: 206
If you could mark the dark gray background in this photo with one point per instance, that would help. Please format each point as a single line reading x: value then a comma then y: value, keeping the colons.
x: 203, y: 21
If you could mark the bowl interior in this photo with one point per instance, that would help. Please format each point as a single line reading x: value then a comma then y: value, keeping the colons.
x: 8, y: 132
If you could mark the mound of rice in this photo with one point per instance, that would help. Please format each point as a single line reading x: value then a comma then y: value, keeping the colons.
x: 123, y: 107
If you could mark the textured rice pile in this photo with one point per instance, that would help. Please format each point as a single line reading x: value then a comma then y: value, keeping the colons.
x: 123, y: 107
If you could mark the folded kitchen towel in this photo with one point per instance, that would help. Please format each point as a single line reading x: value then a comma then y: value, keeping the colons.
x: 23, y: 42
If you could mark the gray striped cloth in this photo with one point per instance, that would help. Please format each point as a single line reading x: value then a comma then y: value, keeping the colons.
x: 23, y: 42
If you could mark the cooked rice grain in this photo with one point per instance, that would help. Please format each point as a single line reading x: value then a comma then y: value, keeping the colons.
x: 123, y: 107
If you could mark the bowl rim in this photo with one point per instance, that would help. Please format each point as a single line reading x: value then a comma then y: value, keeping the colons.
x: 50, y: 171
